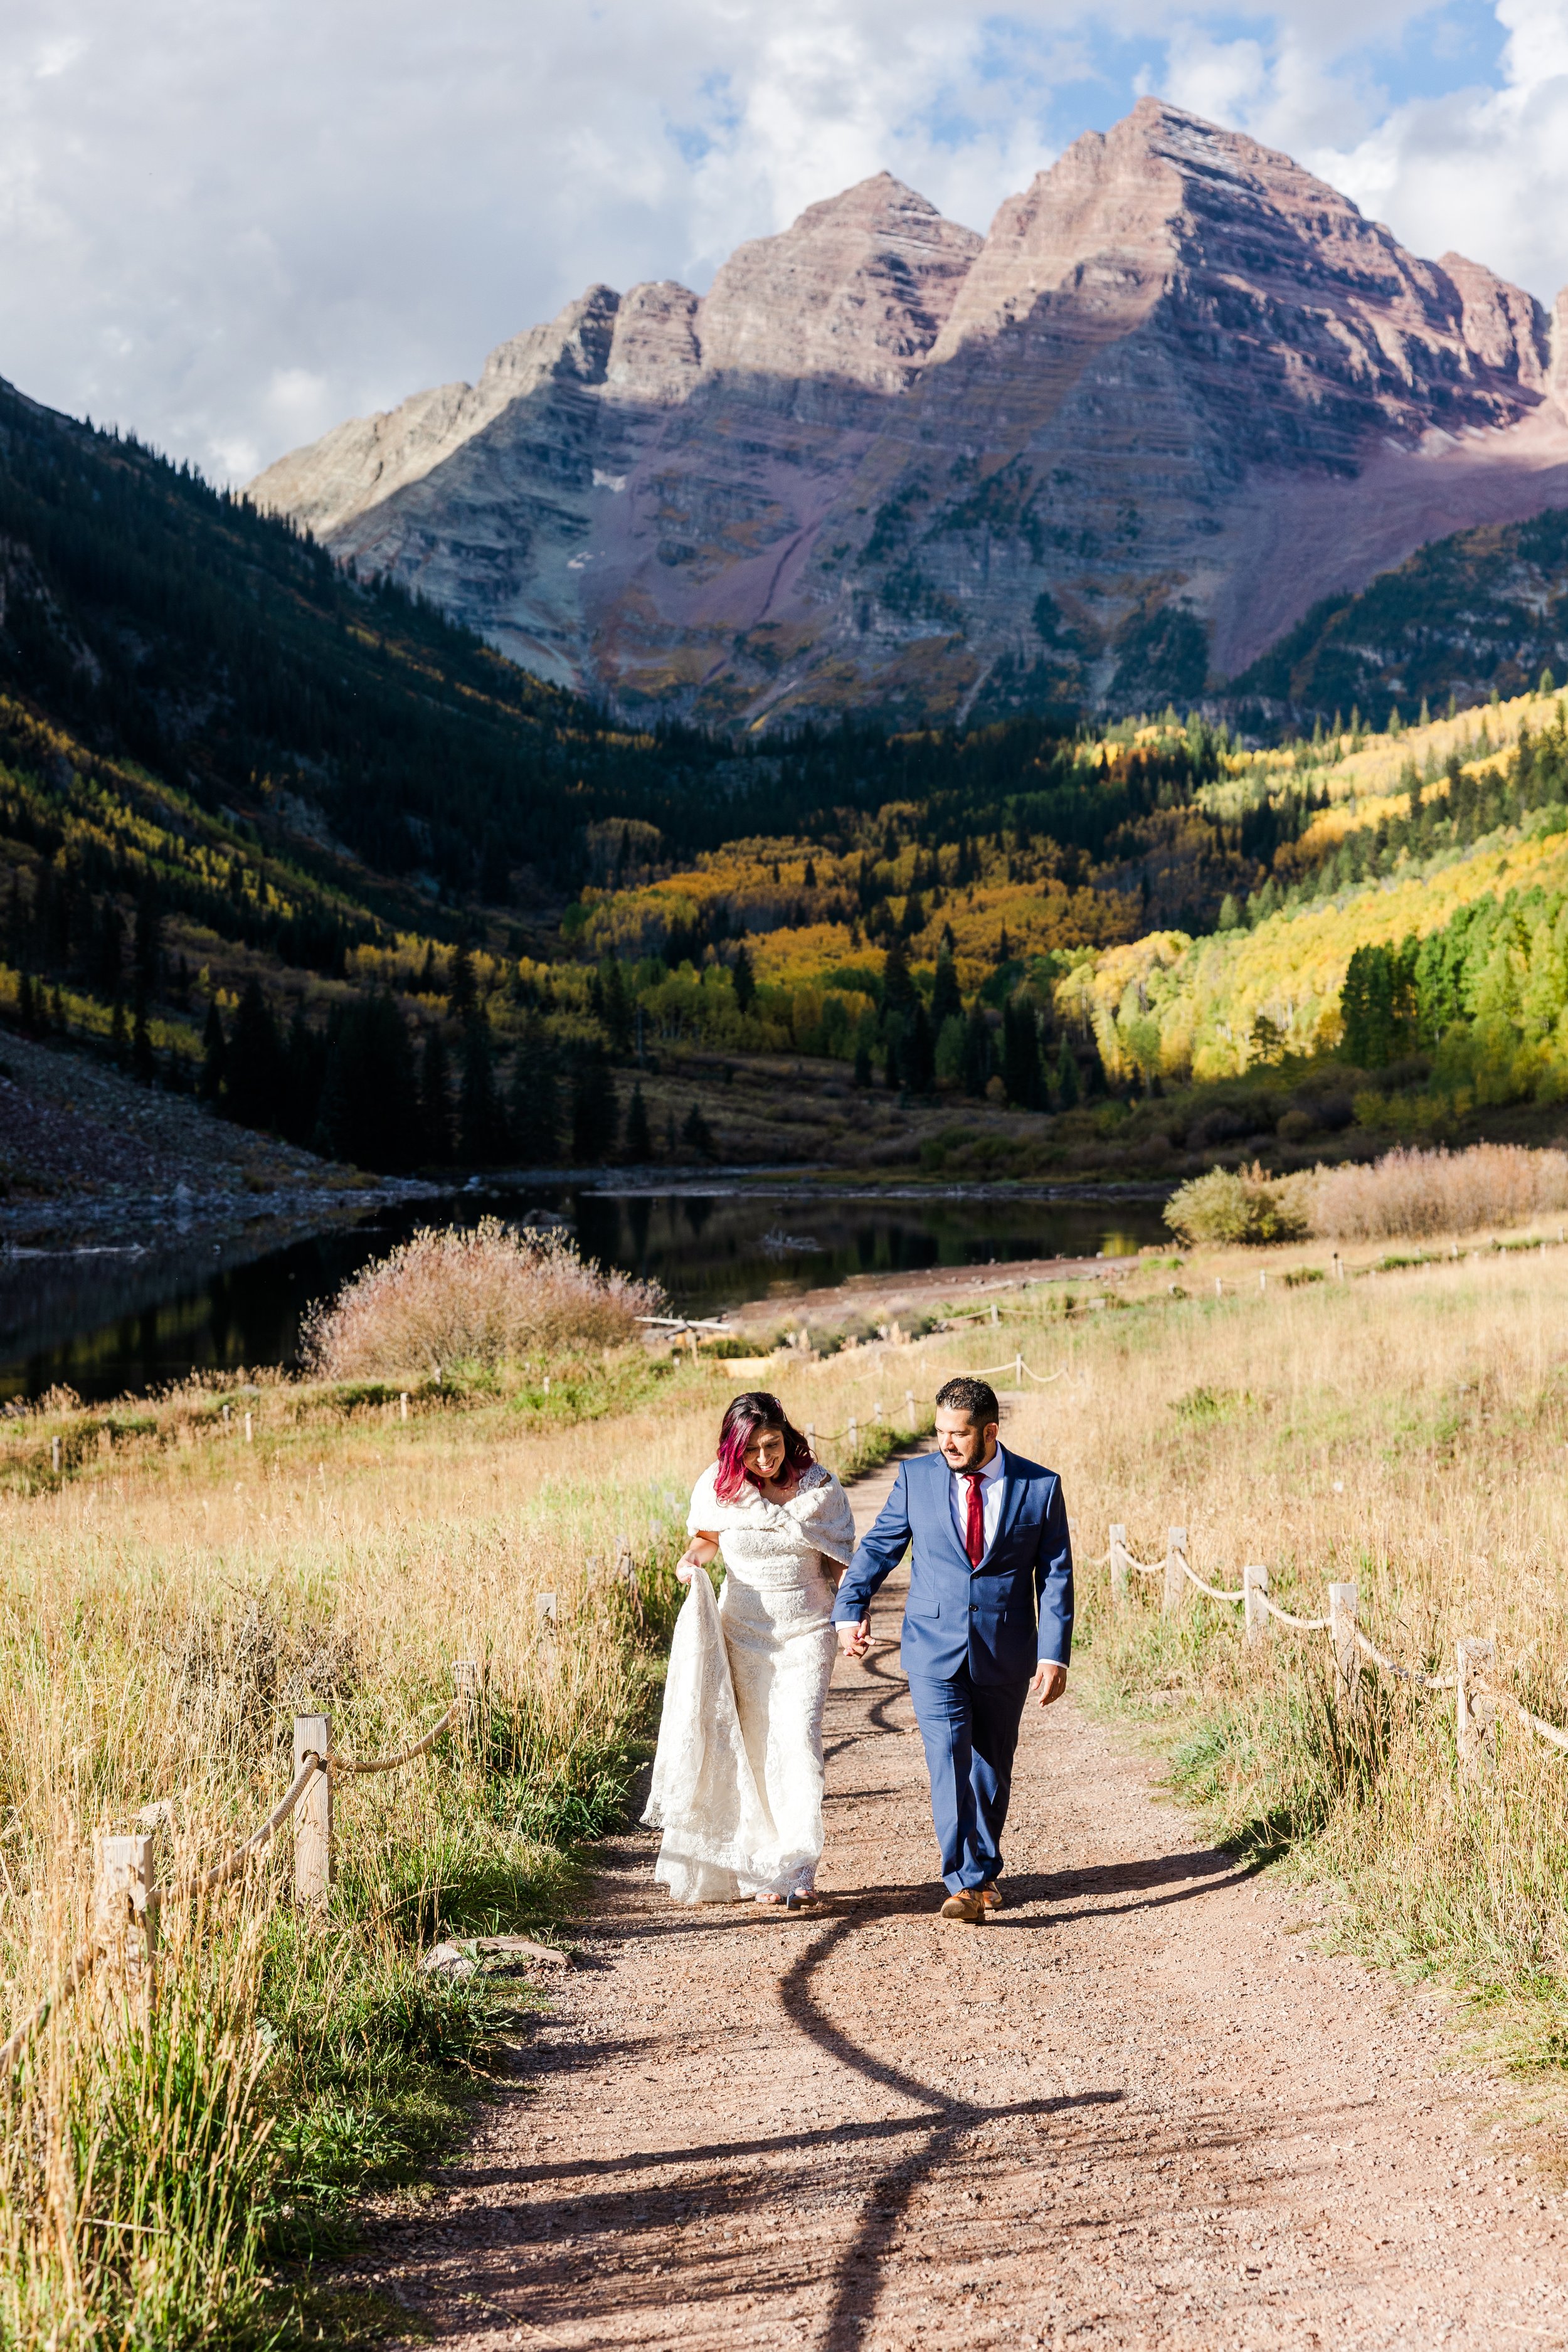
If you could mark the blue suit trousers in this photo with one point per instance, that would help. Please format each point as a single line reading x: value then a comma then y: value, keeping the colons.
x: 970, y: 1730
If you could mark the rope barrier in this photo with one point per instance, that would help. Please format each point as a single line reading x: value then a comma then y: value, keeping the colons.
x: 1350, y: 1639
x: 1302, y: 1625
x: 203, y: 1882
x: 1404, y: 1674
x: 1516, y: 1707
x: 1214, y: 1592
x: 389, y: 1763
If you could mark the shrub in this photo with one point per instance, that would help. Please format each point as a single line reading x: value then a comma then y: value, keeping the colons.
x: 483, y: 1296
x: 1247, y: 1206
x: 1409, y: 1193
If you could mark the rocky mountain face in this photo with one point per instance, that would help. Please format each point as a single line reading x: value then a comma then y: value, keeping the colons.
x: 1109, y: 453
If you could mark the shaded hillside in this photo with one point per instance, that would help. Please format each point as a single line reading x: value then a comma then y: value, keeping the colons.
x: 1481, y: 613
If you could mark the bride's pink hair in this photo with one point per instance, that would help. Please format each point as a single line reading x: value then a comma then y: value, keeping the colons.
x: 744, y: 1417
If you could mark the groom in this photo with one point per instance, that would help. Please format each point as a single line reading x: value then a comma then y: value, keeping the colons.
x: 988, y: 1620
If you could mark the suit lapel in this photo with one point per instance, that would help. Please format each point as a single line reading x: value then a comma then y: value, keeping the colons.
x: 1012, y: 1502
x: 942, y: 1494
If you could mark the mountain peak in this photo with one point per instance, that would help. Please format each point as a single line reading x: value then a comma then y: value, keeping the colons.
x: 857, y: 288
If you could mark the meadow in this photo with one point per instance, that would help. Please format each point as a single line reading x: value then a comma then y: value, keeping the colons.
x: 175, y: 1596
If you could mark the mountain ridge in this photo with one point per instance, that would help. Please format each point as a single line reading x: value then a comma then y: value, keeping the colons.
x: 1099, y: 458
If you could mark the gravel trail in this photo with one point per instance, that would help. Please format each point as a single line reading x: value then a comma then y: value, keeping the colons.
x: 1137, y: 2109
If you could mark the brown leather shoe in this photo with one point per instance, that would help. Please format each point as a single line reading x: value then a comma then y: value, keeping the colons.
x: 967, y: 1907
x: 990, y: 1894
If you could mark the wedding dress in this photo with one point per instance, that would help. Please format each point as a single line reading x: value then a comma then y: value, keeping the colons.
x: 737, y: 1778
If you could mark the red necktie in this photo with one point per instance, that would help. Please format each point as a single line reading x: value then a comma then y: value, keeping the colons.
x: 974, y: 1526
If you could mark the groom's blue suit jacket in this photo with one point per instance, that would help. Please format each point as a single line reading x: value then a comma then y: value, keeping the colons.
x: 1000, y: 1619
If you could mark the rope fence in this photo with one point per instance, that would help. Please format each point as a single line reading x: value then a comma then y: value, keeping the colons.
x: 128, y: 1896
x: 1477, y: 1701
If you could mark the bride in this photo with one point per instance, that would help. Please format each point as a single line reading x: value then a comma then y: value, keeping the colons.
x: 737, y: 1778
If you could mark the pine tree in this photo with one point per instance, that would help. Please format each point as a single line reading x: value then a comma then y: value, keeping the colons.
x: 534, y: 1101
x: 946, y: 1001
x: 1021, y: 1056
x: 743, y: 980
x: 254, y: 1066
x: 637, y: 1145
x: 370, y: 1100
x: 920, y: 1052
x: 976, y: 1052
x: 897, y: 986
x: 594, y: 1118
x: 461, y: 993
x: 615, y: 1007
x: 435, y: 1098
x: 481, y: 1133
x: 696, y: 1133
x: 214, y: 1056
x: 143, y: 1061
x: 863, y: 1073
x: 118, y: 1036
x: 1066, y: 1078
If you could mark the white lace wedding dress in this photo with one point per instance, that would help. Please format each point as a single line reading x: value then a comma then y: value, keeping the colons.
x: 736, y: 1780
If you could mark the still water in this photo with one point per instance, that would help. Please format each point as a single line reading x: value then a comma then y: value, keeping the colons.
x: 104, y: 1325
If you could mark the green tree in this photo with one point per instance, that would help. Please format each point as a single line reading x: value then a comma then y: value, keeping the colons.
x: 743, y: 979
x: 214, y: 1056
x: 637, y: 1144
x: 481, y: 1129
x: 1378, y: 1004
x: 617, y: 1010
x: 435, y: 1098
x: 461, y: 992
x: 696, y: 1132
x: 898, y: 987
x: 253, y: 1088
x: 594, y: 1118
x: 920, y: 1052
x: 946, y: 1001
x: 535, y: 1098
x: 370, y: 1101
x: 1021, y: 1072
x: 976, y: 1052
x: 1068, y: 1090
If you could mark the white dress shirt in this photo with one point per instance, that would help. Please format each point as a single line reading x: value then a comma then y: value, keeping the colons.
x: 992, y: 1473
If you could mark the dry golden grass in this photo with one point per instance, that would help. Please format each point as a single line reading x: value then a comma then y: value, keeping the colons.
x: 166, y: 1609
x: 1404, y: 1431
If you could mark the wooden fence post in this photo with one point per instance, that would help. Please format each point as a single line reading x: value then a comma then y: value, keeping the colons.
x: 811, y: 1439
x: 126, y: 1900
x: 1218, y: 1287
x: 55, y: 1456
x: 403, y: 1405
x: 247, y: 1430
x: 1119, y: 1567
x: 1254, y: 1589
x: 1474, y: 1714
x: 995, y: 1318
x: 545, y: 1606
x: 1341, y: 1633
x: 877, y: 1412
x: 910, y: 1407
x: 1175, y: 1569
x: 854, y: 1433
x: 1263, y: 1282
x: 313, y: 1814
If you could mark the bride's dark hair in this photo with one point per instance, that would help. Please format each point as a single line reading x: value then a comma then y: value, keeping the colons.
x: 743, y: 1416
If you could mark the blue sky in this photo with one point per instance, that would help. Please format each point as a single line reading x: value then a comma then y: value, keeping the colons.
x: 229, y: 223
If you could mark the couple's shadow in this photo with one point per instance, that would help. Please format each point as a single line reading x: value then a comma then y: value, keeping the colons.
x: 1051, y: 1898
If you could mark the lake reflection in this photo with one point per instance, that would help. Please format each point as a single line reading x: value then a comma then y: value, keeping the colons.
x: 108, y: 1324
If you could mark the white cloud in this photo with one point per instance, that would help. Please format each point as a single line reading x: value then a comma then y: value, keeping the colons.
x: 231, y: 222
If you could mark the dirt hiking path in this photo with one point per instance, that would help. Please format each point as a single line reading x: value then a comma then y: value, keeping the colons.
x: 1134, y: 2110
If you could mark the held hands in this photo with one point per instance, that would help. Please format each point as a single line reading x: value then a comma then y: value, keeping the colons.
x: 1048, y: 1682
x: 855, y: 1640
